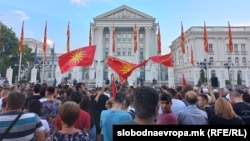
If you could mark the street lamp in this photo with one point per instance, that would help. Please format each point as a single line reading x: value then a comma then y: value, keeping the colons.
x: 228, y: 66
x: 205, y: 65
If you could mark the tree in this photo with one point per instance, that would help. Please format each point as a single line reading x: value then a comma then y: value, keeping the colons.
x: 202, y: 76
x: 239, y: 81
x: 9, y: 54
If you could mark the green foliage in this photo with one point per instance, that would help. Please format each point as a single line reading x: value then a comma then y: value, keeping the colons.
x: 239, y: 80
x: 202, y: 76
x: 227, y: 82
x: 9, y: 54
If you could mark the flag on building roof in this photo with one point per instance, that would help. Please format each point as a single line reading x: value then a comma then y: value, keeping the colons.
x: 182, y: 40
x: 205, y: 40
x: 21, y: 39
x: 159, y: 41
x: 45, y: 43
x: 135, y: 38
x: 68, y: 38
x: 230, y: 39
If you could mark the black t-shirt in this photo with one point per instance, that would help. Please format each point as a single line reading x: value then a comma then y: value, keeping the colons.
x: 28, y: 99
x: 242, y: 109
x: 216, y: 120
x: 209, y: 111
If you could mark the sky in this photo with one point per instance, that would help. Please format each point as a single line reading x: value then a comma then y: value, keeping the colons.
x: 79, y: 13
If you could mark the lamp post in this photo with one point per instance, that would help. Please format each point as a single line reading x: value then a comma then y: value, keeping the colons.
x: 205, y: 65
x: 228, y: 66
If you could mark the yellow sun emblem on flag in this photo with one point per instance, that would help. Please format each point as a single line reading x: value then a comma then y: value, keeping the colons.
x: 77, y: 56
x: 125, y: 68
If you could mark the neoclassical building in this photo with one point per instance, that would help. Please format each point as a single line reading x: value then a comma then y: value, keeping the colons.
x: 124, y: 19
x: 219, y: 62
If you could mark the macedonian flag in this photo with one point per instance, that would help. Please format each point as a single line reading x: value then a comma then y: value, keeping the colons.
x: 165, y: 60
x: 123, y: 68
x: 80, y: 57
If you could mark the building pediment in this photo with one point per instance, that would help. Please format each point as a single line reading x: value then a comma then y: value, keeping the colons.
x: 124, y: 12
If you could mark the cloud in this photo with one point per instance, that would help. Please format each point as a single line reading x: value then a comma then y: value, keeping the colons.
x: 80, y: 2
x: 22, y: 14
x: 49, y: 42
x: 241, y: 24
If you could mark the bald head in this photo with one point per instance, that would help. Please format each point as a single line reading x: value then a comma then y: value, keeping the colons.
x: 191, y: 97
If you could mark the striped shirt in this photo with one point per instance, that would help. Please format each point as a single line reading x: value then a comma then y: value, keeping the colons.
x: 24, y: 128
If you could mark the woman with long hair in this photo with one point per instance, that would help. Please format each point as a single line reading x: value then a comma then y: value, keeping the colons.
x: 224, y: 114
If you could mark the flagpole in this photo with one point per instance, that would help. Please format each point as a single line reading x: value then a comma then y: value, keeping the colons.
x: 43, y: 68
x: 207, y: 69
x: 19, y: 67
x: 232, y: 71
x: 159, y: 73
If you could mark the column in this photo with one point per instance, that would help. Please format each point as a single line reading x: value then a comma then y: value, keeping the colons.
x: 98, y: 34
x: 222, y: 78
x: 170, y: 76
x: 111, y: 41
x: 58, y: 75
x: 33, y: 76
x: 99, y: 74
x: 9, y: 75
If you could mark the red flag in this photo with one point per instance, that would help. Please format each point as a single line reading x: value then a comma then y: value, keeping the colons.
x: 68, y: 38
x: 184, y: 82
x: 21, y: 39
x: 159, y: 41
x: 192, y: 56
x: 135, y: 39
x: 113, y: 39
x: 230, y: 44
x: 45, y: 42
x: 182, y: 40
x: 123, y: 68
x: 90, y: 35
x: 205, y: 38
x: 165, y: 60
x: 80, y: 57
x: 114, y: 88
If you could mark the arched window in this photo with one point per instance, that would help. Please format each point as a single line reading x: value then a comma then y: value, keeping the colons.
x: 236, y: 60
x: 244, y: 60
x: 213, y: 73
x: 239, y: 72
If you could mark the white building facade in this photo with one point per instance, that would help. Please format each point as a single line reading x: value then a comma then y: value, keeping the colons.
x: 123, y: 19
x: 219, y: 62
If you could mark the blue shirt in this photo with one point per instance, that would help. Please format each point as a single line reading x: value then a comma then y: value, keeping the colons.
x: 192, y: 115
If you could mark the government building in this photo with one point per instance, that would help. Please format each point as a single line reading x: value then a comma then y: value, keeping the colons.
x: 218, y: 64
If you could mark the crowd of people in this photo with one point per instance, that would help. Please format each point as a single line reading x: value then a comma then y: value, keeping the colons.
x: 75, y: 113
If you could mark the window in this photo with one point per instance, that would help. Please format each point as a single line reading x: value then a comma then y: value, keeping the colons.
x: 243, y: 47
x: 106, y: 36
x: 129, y: 53
x: 236, y: 48
x: 229, y: 59
x: 236, y: 60
x: 118, y: 53
x: 106, y: 54
x: 239, y: 73
x: 141, y: 36
x: 210, y: 48
x: 213, y: 73
x: 244, y: 60
x: 124, y: 53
